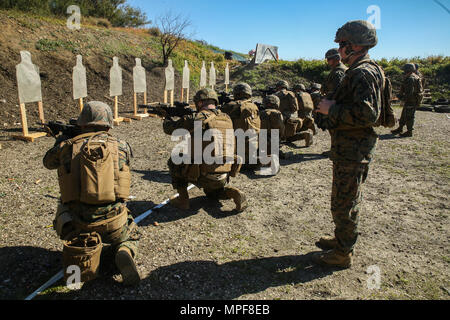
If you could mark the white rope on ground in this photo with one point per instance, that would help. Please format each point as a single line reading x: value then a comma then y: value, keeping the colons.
x: 60, y: 274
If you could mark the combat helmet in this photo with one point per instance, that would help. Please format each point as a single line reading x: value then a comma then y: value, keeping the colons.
x: 283, y: 84
x: 96, y: 113
x: 358, y: 32
x: 409, y: 67
x: 271, y: 101
x: 242, y: 91
x: 332, y: 54
x: 299, y: 87
x: 206, y: 94
x: 316, y: 86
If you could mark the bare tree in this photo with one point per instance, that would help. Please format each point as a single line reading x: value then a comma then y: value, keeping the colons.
x: 173, y: 29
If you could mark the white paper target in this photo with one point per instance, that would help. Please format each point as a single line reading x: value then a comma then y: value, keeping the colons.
x: 203, y: 76
x: 139, y: 77
x: 186, y: 75
x: 212, y: 75
x: 227, y: 74
x: 170, y: 77
x: 79, y: 79
x: 115, y: 76
x: 28, y: 79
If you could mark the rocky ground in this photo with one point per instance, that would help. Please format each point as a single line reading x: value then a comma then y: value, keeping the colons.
x: 210, y: 252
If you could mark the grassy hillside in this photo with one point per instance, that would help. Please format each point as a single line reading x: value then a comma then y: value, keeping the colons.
x: 435, y: 69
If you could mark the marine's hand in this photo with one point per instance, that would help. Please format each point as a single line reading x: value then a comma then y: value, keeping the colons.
x: 324, y: 106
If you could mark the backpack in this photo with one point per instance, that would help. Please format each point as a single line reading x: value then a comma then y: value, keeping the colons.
x: 387, y: 116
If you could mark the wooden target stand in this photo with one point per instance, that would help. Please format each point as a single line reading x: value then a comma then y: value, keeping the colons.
x: 117, y: 120
x: 166, y: 93
x: 187, y: 94
x: 26, y: 136
x: 136, y: 115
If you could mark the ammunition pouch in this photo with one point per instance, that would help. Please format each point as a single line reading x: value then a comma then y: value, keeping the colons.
x: 84, y: 251
x: 111, y: 226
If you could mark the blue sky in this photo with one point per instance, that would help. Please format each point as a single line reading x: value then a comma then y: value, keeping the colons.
x: 306, y: 29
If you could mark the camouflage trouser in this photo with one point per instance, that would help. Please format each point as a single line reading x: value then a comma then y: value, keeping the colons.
x: 128, y: 236
x: 408, y: 117
x: 212, y: 185
x: 346, y: 196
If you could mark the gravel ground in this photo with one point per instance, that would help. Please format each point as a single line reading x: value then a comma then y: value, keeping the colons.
x: 209, y: 252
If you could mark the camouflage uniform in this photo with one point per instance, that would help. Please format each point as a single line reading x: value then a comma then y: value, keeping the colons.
x: 212, y: 183
x: 245, y: 115
x: 315, y: 94
x: 305, y: 109
x: 410, y: 93
x: 214, y: 178
x: 271, y: 118
x: 288, y: 100
x: 353, y: 139
x: 333, y: 80
x: 94, y: 115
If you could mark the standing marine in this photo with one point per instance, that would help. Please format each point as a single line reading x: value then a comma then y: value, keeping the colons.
x: 94, y: 179
x: 336, y: 75
x: 411, y: 93
x: 352, y: 115
x: 213, y: 178
x: 333, y: 80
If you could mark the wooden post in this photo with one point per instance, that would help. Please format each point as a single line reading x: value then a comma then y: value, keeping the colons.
x: 41, y: 112
x: 116, y: 107
x: 171, y: 97
x: 136, y: 115
x: 226, y: 88
x: 23, y: 118
x: 182, y: 94
x: 165, y: 96
x: 81, y: 104
x: 117, y: 119
x: 187, y: 95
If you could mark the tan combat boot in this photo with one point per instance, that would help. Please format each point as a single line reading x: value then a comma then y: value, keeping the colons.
x: 127, y: 267
x: 334, y: 258
x: 182, y: 201
x: 238, y: 197
x: 327, y: 243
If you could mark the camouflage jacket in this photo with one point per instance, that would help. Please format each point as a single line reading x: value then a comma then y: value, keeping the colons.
x: 316, y: 98
x: 288, y: 102
x: 62, y: 155
x: 333, y: 81
x: 411, y: 90
x: 244, y: 114
x: 356, y: 111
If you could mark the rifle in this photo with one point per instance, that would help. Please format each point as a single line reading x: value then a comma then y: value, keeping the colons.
x: 225, y: 97
x: 54, y: 128
x: 179, y: 109
x: 263, y: 93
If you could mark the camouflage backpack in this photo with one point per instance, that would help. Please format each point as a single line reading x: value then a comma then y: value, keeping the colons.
x: 387, y: 116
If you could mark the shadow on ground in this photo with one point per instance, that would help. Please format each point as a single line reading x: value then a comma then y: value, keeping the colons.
x: 193, y: 280
x: 24, y: 269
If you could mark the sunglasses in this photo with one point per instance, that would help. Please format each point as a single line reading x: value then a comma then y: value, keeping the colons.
x: 343, y: 44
